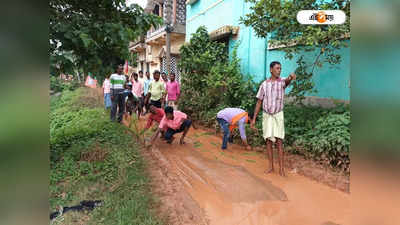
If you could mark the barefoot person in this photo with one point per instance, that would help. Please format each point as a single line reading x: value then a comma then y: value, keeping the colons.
x: 173, y: 122
x: 229, y: 119
x: 270, y: 95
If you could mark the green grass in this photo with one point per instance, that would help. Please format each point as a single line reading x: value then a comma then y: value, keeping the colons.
x: 94, y: 159
x: 197, y: 144
x: 215, y: 144
x: 250, y: 153
x: 250, y: 160
x: 203, y: 134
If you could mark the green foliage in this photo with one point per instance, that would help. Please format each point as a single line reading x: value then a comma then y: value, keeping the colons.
x: 278, y: 19
x: 58, y: 85
x: 212, y: 79
x: 94, y: 35
x: 329, y: 140
x: 93, y: 158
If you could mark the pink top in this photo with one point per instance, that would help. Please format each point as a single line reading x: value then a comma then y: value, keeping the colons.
x: 137, y: 88
x: 173, y: 90
x: 272, y: 93
x: 174, y: 124
x: 106, y: 86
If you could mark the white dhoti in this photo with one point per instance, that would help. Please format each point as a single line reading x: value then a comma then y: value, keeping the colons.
x: 273, y: 126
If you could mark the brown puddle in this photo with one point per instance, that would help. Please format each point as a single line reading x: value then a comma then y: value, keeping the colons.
x: 231, y: 187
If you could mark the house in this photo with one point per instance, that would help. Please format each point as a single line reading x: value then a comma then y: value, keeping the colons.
x: 151, y: 48
x: 221, y: 18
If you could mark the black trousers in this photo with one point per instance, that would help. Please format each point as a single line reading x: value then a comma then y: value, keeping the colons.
x: 117, y: 101
x: 156, y: 103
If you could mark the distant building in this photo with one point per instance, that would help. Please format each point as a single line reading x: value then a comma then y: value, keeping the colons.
x: 151, y: 48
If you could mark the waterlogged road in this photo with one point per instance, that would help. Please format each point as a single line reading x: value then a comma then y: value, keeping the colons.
x: 230, y: 187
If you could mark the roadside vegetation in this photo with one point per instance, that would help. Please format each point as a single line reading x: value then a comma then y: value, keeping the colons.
x: 94, y: 159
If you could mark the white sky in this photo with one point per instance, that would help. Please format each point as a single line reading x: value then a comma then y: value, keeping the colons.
x: 142, y: 3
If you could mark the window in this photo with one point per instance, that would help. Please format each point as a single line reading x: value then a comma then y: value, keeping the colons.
x: 156, y: 10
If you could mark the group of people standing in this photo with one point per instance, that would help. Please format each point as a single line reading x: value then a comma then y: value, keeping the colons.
x: 142, y: 95
x: 135, y: 93
x: 160, y: 99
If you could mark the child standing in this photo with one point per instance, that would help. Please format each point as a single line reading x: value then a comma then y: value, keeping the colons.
x: 107, y: 92
x: 137, y: 91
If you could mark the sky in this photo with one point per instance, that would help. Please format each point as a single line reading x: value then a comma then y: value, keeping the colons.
x: 142, y: 3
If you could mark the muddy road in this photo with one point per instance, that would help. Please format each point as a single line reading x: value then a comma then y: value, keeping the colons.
x: 200, y: 184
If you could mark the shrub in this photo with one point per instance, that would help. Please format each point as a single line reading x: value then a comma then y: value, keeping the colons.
x: 58, y: 85
x: 328, y: 141
x: 211, y: 79
x: 93, y: 158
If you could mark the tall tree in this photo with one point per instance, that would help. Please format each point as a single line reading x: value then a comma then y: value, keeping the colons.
x: 277, y: 20
x: 95, y: 32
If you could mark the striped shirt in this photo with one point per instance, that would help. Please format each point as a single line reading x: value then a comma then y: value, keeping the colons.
x: 272, y: 93
x: 117, y: 81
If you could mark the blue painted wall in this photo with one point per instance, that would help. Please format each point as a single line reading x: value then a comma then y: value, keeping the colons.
x: 253, y: 52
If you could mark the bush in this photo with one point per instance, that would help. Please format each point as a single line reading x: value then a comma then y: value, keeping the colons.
x: 55, y: 84
x: 328, y: 141
x: 93, y: 158
x: 213, y: 80
x: 58, y: 85
x: 73, y: 120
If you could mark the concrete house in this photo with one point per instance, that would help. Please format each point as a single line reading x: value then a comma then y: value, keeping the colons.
x: 221, y: 18
x: 151, y: 48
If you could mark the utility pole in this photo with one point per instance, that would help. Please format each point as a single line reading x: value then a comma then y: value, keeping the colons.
x: 168, y: 29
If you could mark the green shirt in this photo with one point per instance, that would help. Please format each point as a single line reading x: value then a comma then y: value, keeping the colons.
x: 157, y: 89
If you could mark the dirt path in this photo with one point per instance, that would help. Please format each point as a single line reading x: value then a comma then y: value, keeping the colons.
x: 200, y: 184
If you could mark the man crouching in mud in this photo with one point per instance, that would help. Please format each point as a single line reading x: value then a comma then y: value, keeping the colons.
x: 173, y: 122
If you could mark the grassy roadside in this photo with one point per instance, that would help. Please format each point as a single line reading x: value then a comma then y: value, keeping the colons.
x: 94, y: 159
